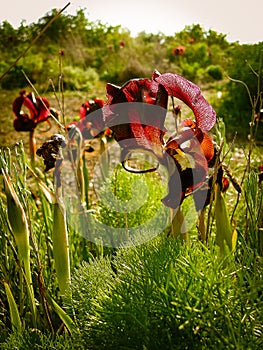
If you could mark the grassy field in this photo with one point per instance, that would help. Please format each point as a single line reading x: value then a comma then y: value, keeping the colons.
x: 156, y: 292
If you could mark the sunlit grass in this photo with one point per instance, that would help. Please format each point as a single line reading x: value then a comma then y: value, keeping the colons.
x: 158, y: 293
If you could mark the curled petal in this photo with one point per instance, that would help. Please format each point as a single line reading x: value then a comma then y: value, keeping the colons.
x: 30, y: 105
x: 17, y: 105
x: 39, y: 109
x: 207, y: 147
x: 190, y: 94
x: 43, y: 112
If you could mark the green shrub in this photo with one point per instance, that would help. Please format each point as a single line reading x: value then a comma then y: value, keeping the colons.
x: 76, y: 78
x: 214, y: 72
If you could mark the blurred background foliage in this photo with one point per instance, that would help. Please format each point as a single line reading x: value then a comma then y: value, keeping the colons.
x: 89, y: 54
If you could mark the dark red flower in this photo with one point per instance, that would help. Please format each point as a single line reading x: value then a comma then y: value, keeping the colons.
x: 191, y: 150
x: 177, y: 110
x: 133, y: 124
x: 38, y: 108
x: 137, y: 124
x: 91, y: 122
x: 89, y: 107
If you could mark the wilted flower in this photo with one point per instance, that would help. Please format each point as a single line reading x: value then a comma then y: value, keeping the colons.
x: 49, y: 151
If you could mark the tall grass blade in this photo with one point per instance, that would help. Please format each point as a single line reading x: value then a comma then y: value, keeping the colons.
x: 19, y: 225
x: 49, y: 194
x: 14, y: 313
x: 65, y: 318
x: 254, y: 204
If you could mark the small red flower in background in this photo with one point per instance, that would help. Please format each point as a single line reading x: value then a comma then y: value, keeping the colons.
x: 178, y: 50
x: 38, y: 108
x: 91, y: 122
x: 121, y: 44
x: 89, y: 107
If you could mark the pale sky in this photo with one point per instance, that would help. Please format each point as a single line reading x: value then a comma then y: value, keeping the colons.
x: 240, y: 20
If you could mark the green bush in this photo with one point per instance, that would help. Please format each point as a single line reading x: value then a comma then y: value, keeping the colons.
x: 214, y: 72
x: 76, y: 78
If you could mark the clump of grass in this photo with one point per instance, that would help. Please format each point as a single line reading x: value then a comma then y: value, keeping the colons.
x: 167, y: 295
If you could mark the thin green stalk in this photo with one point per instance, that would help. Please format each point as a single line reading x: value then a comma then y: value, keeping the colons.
x: 32, y: 147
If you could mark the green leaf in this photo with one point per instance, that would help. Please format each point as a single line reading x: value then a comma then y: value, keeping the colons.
x: 14, y: 314
x: 69, y: 323
x: 224, y: 231
x: 19, y: 225
x: 61, y: 248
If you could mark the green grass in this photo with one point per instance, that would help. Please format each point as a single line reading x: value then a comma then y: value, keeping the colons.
x: 163, y: 295
x: 166, y: 295
x: 158, y: 293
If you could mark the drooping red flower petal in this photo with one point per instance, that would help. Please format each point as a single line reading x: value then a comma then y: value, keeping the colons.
x: 190, y: 94
x: 129, y: 114
x: 187, y: 152
x: 38, y: 108
x: 31, y: 107
x: 18, y: 102
x: 24, y: 124
x: 43, y: 109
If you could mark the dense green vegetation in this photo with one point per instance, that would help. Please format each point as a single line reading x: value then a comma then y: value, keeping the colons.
x: 87, y: 53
